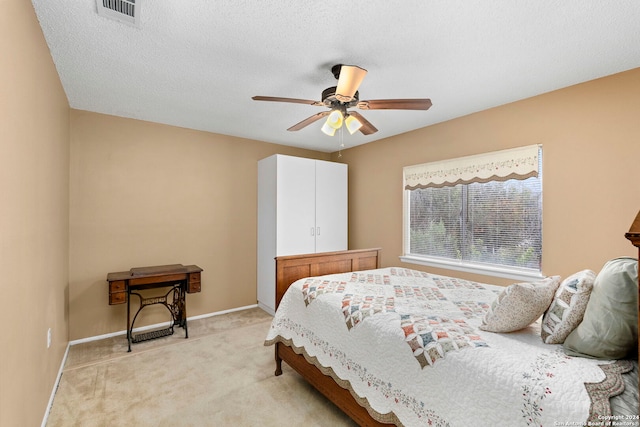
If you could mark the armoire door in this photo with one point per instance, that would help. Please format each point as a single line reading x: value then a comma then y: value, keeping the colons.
x: 295, y: 206
x: 331, y: 206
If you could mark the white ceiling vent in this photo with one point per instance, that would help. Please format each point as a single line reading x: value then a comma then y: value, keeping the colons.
x: 127, y: 11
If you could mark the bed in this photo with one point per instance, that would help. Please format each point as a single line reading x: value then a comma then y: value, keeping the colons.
x: 396, y: 346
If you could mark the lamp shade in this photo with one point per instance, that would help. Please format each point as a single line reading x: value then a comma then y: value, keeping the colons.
x: 335, y: 119
x: 328, y: 130
x: 350, y: 78
x: 352, y: 124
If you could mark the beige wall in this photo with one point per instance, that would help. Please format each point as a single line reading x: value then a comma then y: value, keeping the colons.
x: 591, y: 147
x: 147, y: 194
x: 34, y: 196
x: 84, y: 194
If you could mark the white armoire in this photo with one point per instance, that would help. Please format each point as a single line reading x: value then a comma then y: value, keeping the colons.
x: 302, y: 209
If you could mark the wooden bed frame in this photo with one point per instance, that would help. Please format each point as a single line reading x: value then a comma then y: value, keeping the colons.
x: 288, y: 270
x: 634, y: 237
x: 291, y: 268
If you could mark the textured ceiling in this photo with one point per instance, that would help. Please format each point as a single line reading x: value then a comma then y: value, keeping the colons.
x: 197, y: 63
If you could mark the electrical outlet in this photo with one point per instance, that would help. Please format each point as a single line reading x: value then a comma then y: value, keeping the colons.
x: 49, y: 338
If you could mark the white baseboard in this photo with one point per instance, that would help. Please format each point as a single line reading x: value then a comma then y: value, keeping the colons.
x: 267, y: 309
x: 114, y: 334
x: 55, y: 388
x: 158, y: 325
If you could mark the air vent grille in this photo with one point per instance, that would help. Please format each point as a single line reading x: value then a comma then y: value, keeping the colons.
x: 126, y: 11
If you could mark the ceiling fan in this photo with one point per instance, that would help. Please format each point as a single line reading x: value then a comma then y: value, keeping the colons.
x: 343, y: 96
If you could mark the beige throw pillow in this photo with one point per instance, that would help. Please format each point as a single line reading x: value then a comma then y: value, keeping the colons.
x: 567, y: 308
x: 519, y: 305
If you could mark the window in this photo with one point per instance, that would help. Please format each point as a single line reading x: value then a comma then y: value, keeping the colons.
x: 481, y: 214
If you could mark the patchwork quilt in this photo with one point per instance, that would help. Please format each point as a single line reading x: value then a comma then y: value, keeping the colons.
x: 407, y: 344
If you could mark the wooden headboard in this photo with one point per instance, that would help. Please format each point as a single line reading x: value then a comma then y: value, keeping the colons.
x: 294, y: 267
x: 634, y: 236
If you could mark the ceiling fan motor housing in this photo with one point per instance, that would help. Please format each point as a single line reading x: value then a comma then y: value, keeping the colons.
x: 329, y: 98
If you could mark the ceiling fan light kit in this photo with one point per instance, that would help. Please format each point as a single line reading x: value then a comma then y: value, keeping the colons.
x: 345, y: 95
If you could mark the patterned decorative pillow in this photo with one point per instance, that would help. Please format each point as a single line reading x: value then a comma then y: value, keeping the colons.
x: 567, y: 308
x: 519, y: 305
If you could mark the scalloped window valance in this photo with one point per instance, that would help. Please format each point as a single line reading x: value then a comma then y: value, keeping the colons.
x: 515, y: 163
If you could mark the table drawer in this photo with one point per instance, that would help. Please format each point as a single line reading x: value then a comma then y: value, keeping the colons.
x: 117, y: 298
x: 117, y: 286
x: 194, y: 284
x: 117, y: 292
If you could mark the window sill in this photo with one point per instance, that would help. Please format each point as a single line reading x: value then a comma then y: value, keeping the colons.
x: 519, y: 274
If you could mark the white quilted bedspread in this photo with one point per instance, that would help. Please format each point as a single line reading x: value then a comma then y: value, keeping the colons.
x: 409, y: 343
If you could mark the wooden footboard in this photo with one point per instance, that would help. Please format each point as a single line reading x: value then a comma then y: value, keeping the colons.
x: 288, y: 270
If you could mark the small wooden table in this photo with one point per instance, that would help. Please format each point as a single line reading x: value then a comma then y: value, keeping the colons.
x: 181, y: 279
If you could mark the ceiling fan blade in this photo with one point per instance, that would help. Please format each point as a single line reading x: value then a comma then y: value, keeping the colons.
x: 395, y: 104
x: 367, y: 128
x: 350, y: 78
x: 306, y: 122
x: 293, y: 100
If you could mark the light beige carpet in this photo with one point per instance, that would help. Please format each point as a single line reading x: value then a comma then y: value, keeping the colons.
x: 222, y: 375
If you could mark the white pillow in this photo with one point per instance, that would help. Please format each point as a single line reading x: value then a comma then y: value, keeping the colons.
x: 567, y: 308
x: 519, y: 305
